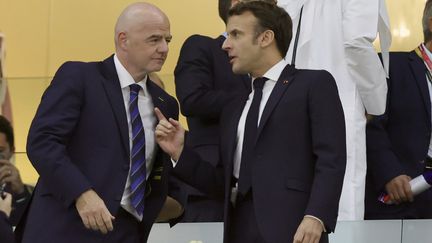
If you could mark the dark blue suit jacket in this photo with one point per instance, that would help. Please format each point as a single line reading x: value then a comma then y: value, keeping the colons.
x: 398, y: 140
x: 6, y: 233
x: 299, y: 161
x: 205, y: 84
x: 79, y: 140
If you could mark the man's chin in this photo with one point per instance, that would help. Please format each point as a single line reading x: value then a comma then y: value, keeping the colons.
x: 238, y: 70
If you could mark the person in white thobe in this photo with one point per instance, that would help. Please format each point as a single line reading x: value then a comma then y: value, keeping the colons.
x: 337, y: 35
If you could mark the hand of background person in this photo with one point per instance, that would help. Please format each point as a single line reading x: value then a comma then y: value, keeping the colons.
x: 6, y: 204
x: 309, y: 231
x: 94, y: 213
x: 399, y: 189
x: 10, y: 175
x: 169, y: 135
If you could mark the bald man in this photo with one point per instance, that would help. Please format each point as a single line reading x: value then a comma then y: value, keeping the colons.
x: 102, y: 176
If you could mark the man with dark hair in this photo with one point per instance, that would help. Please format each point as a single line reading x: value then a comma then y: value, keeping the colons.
x: 10, y: 177
x: 205, y: 83
x: 399, y: 142
x: 282, y: 148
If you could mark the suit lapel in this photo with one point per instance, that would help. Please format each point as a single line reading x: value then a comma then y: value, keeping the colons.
x: 419, y: 71
x: 285, y: 79
x: 159, y: 98
x: 113, y: 90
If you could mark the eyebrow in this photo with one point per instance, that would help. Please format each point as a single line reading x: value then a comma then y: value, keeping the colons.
x: 160, y: 37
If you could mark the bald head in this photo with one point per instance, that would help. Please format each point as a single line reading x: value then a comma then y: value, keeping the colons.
x: 137, y: 15
x: 142, y: 34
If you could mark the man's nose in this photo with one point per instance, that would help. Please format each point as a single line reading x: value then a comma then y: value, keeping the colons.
x: 163, y: 47
x: 226, y: 45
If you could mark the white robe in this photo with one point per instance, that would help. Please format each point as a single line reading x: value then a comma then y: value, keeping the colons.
x: 337, y: 35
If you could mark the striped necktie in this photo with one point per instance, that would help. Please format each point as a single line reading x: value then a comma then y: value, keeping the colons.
x: 138, y: 170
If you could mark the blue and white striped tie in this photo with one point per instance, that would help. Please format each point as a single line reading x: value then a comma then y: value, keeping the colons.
x: 138, y: 169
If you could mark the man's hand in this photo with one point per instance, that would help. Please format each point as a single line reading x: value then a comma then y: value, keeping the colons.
x: 309, y: 231
x: 399, y: 189
x: 169, y: 135
x: 94, y: 213
x: 9, y: 174
x: 6, y: 204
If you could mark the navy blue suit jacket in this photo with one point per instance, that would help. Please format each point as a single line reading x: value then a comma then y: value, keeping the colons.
x: 299, y: 160
x: 205, y: 84
x: 79, y: 140
x: 398, y: 140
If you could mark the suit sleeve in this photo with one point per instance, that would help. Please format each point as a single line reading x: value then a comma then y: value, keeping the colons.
x: 329, y: 147
x: 194, y: 79
x: 51, y: 130
x: 191, y: 169
x: 382, y: 161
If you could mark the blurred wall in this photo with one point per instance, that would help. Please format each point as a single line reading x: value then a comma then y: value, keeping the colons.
x: 42, y: 34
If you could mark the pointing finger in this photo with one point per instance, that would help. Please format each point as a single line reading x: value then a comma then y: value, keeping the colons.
x: 159, y: 114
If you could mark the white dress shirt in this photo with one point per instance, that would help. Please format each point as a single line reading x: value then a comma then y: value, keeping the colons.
x: 273, y: 75
x: 145, y: 106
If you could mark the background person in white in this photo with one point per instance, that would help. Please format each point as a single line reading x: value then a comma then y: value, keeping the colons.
x: 337, y: 36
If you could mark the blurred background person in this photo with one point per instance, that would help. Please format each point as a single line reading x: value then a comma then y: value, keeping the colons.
x: 5, y: 101
x: 399, y: 142
x: 337, y: 36
x: 9, y: 174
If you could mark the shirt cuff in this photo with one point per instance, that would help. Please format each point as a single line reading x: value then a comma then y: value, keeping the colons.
x: 319, y: 220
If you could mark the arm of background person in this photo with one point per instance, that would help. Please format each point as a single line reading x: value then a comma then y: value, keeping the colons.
x: 360, y: 22
x: 194, y: 79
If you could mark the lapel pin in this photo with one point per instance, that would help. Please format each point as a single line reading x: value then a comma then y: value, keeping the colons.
x: 161, y: 99
x: 285, y: 81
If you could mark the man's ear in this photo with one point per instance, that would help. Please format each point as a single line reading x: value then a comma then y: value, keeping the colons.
x: 122, y: 40
x: 266, y: 38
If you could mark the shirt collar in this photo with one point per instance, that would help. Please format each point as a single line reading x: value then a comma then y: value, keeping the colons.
x: 274, y: 72
x: 124, y: 76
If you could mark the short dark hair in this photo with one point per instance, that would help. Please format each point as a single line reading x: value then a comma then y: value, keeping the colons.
x: 270, y: 17
x: 6, y: 128
x: 427, y: 14
x: 225, y: 5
